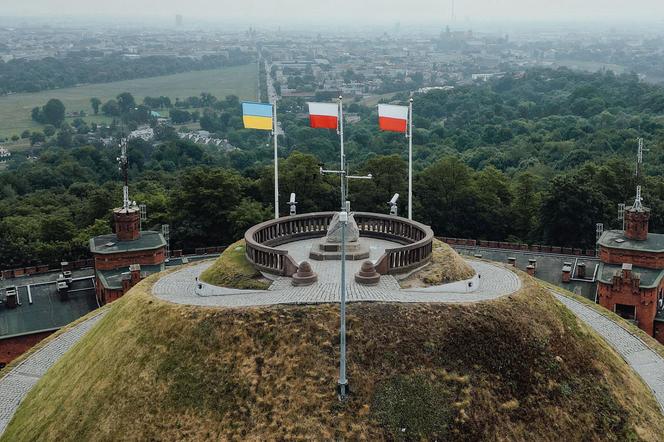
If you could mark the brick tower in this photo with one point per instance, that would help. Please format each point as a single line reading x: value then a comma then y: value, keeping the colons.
x: 127, y: 223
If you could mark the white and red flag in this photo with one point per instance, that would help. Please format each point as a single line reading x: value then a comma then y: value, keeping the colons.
x: 323, y: 115
x: 393, y: 118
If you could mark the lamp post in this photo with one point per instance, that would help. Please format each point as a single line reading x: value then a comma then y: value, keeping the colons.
x: 342, y: 384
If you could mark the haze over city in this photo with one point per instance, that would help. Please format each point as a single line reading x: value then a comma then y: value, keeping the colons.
x: 349, y: 11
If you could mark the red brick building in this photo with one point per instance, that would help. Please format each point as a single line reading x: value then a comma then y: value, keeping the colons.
x: 631, y: 273
x: 124, y: 258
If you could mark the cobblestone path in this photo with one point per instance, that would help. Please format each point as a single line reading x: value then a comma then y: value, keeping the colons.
x: 179, y: 287
x: 648, y: 364
x: 19, y: 381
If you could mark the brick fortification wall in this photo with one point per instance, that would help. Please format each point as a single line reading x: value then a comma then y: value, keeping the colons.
x: 12, y: 348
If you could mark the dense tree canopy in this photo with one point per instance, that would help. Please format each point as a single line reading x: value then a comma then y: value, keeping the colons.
x: 540, y: 158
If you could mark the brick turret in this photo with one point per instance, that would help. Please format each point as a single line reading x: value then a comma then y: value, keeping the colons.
x: 636, y: 223
x: 127, y: 223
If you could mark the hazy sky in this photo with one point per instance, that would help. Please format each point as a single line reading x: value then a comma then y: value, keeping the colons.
x: 253, y: 11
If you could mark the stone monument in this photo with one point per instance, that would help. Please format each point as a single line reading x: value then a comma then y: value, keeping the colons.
x: 329, y: 248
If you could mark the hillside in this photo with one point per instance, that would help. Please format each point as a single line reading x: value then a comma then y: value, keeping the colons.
x: 518, y: 368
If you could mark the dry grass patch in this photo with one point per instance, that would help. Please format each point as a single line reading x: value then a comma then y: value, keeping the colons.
x: 233, y: 270
x: 446, y: 266
x: 520, y: 368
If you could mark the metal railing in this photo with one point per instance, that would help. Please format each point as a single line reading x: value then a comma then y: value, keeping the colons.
x: 263, y: 239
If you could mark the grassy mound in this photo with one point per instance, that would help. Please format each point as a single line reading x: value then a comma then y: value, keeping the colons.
x: 233, y: 270
x: 520, y: 368
x: 446, y: 266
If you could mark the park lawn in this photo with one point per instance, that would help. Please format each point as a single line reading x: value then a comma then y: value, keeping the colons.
x: 237, y: 80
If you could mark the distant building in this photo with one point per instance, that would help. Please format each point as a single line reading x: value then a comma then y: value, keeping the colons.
x: 4, y: 155
x: 631, y: 274
x: 179, y: 20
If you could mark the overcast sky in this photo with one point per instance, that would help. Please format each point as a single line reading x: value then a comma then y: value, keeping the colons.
x: 254, y: 11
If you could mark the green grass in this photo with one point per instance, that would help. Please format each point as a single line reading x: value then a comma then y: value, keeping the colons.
x: 233, y: 270
x: 592, y: 66
x: 238, y: 80
x: 518, y: 368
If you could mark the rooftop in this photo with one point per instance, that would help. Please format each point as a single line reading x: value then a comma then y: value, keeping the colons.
x: 112, y: 279
x: 109, y: 244
x: 47, y: 312
x: 650, y: 278
x: 616, y: 239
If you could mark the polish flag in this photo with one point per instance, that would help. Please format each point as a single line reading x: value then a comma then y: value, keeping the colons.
x: 324, y: 115
x: 393, y: 118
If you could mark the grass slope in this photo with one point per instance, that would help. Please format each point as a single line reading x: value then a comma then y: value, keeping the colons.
x: 238, y: 80
x: 233, y: 270
x: 520, y: 368
x: 446, y: 266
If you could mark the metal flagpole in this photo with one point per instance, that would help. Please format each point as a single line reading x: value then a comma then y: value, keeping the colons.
x: 410, y: 159
x: 276, y: 160
x: 343, y: 382
x: 343, y: 158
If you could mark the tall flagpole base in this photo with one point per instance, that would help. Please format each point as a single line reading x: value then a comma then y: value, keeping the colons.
x: 343, y: 391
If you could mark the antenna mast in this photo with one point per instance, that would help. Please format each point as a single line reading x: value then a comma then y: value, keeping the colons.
x: 637, y: 201
x: 124, y: 168
x: 639, y: 158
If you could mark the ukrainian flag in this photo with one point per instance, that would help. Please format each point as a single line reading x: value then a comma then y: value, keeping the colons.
x: 257, y: 116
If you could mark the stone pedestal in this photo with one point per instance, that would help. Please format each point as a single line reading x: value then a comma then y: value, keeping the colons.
x: 304, y: 276
x: 367, y: 274
x: 329, y: 248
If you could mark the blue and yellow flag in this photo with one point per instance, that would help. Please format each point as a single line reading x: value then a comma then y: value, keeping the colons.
x: 257, y: 115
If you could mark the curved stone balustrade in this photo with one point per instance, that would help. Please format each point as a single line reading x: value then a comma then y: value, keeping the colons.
x: 263, y: 239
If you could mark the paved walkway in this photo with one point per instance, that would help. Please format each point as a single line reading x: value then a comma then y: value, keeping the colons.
x: 180, y: 288
x: 19, y: 381
x: 647, y: 364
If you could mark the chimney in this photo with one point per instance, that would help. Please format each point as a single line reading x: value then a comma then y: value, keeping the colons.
x: 581, y: 270
x: 135, y: 270
x: 530, y: 269
x: 567, y: 272
x: 127, y: 223
x: 11, y: 297
x: 626, y: 271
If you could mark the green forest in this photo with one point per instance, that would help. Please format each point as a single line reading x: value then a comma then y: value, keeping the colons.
x: 538, y: 157
x: 85, y: 67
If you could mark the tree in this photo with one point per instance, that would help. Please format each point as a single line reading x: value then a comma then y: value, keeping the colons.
x: 49, y: 130
x: 54, y: 112
x: 15, y: 138
x: 37, y: 137
x: 126, y: 102
x: 202, y: 205
x: 111, y: 108
x: 390, y: 176
x: 95, y: 103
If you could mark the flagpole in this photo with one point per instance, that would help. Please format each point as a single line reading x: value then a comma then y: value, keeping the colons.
x: 276, y: 160
x: 343, y: 159
x: 410, y: 159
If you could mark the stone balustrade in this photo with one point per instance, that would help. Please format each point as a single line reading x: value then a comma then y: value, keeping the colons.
x: 263, y: 239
